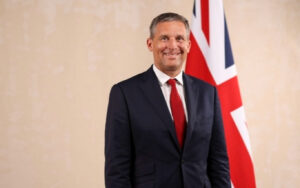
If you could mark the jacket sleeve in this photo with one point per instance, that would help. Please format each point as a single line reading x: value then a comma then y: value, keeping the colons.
x: 218, y: 164
x: 118, y: 142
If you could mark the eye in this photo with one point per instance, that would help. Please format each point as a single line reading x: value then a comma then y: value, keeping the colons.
x: 164, y: 38
x: 180, y: 38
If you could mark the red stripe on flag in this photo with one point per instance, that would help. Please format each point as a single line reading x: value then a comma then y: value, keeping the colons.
x: 197, y: 65
x: 205, y: 18
x: 231, y: 96
x: 241, y: 167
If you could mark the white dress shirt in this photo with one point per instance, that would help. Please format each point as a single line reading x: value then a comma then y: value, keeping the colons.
x: 166, y: 88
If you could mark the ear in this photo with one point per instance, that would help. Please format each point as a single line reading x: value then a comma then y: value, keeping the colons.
x: 189, y: 46
x: 150, y: 44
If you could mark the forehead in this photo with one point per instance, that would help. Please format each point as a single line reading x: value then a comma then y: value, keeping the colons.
x: 170, y: 28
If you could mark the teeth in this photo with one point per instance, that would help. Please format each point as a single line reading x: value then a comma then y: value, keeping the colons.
x: 171, y: 54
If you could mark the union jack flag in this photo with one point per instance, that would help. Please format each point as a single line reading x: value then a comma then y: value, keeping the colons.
x: 210, y: 59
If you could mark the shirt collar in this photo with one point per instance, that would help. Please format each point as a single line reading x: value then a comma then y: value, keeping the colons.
x: 163, y: 78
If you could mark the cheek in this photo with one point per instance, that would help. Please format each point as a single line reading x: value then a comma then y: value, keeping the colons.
x: 160, y: 46
x: 184, y: 48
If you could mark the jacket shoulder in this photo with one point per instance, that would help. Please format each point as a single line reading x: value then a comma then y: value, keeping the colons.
x: 132, y: 81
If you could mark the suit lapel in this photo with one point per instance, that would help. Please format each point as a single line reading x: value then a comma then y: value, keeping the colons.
x: 191, y: 95
x: 152, y: 91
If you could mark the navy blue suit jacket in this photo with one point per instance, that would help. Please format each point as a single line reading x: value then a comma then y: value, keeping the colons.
x: 141, y: 147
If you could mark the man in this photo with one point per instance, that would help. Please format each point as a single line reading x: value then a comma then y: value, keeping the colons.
x: 163, y: 127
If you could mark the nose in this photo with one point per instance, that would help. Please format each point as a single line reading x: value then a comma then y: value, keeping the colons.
x: 172, y: 44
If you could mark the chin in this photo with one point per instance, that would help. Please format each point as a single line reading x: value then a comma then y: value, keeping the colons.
x: 173, y: 67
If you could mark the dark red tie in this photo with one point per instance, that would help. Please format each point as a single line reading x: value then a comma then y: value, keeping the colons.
x: 177, y: 112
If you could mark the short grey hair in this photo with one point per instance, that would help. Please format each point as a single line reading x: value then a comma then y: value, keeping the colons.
x: 167, y: 17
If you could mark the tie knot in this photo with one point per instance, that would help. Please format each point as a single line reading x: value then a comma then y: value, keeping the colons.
x: 172, y: 82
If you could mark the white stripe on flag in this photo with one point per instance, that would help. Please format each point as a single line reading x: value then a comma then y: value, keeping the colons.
x: 239, y: 119
x: 214, y: 53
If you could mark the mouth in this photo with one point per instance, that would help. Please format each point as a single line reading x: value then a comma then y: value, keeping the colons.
x: 172, y: 55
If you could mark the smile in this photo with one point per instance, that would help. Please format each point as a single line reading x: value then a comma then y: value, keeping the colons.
x: 171, y: 54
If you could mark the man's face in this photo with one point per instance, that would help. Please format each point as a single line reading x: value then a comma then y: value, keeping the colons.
x: 169, y: 46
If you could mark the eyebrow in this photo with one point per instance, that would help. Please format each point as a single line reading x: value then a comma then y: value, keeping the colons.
x: 165, y: 35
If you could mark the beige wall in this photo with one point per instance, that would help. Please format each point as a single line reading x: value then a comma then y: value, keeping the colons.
x: 59, y: 58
